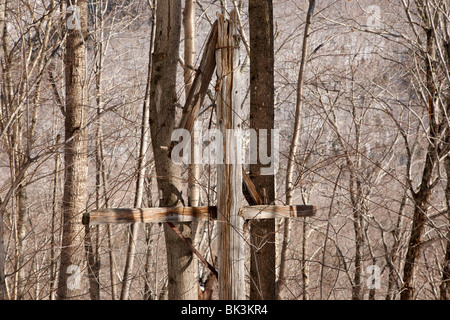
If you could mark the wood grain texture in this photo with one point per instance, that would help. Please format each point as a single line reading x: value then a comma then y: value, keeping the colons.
x: 201, y: 82
x: 229, y: 173
x: 149, y: 215
x: 187, y: 214
x: 272, y: 212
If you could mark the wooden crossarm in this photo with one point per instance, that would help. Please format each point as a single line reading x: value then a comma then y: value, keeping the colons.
x: 188, y: 214
x: 272, y: 212
x: 149, y: 215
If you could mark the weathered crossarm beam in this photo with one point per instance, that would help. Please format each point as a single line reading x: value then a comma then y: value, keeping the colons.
x: 149, y: 215
x: 188, y: 214
x: 272, y: 212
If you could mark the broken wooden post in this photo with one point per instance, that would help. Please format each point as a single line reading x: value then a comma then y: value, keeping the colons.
x: 229, y: 169
x: 201, y: 82
x: 224, y: 42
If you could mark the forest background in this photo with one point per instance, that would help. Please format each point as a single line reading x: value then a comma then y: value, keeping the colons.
x: 361, y: 105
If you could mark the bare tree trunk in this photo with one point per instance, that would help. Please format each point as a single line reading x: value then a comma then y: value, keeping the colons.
x: 2, y: 257
x: 74, y: 200
x: 189, y: 24
x: 22, y: 200
x: 93, y: 259
x: 295, y: 137
x: 93, y: 263
x: 111, y: 263
x: 141, y: 168
x: 181, y: 269
x: 422, y: 196
x: 359, y: 236
x: 262, y: 232
x: 299, y: 106
x: 189, y: 43
x: 445, y: 278
x: 25, y: 135
x: 148, y: 294
x: 391, y: 257
x: 414, y: 245
x: 304, y: 260
x: 2, y: 16
x: 189, y: 74
x: 102, y: 180
x: 53, y: 245
x: 286, y: 236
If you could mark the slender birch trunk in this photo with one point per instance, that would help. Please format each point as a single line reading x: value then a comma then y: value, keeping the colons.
x: 189, y: 74
x: 141, y: 168
x: 53, y: 244
x: 289, y: 186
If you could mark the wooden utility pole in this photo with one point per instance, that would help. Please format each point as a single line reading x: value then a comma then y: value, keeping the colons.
x: 222, y: 47
x: 229, y: 172
x: 190, y: 214
x: 195, y: 214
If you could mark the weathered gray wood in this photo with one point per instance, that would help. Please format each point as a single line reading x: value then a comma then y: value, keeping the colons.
x: 149, y: 215
x: 249, y: 189
x: 222, y: 47
x: 272, y: 212
x: 201, y: 82
x: 229, y: 173
x: 187, y: 214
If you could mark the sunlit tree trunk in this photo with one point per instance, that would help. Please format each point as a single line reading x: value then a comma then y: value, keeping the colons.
x: 445, y: 278
x: 289, y: 185
x: 189, y: 73
x: 75, y: 157
x: 182, y: 282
